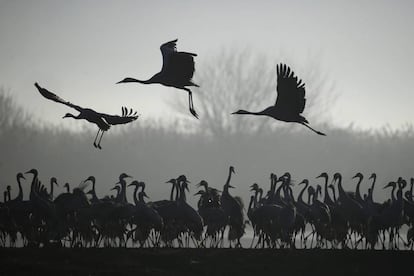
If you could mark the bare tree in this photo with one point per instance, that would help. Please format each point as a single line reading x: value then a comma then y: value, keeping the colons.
x: 243, y: 79
x: 10, y: 114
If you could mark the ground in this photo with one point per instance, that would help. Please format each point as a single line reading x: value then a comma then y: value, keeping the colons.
x: 21, y: 261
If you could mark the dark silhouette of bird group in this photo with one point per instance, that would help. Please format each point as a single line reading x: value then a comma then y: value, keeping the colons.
x: 337, y: 220
x: 177, y: 71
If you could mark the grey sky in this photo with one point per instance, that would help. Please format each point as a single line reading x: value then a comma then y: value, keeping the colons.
x: 79, y: 49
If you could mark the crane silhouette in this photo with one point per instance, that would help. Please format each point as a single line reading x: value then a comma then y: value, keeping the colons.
x: 290, y: 101
x: 177, y: 71
x: 102, y: 120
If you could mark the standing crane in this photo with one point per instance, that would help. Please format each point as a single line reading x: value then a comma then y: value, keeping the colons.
x: 177, y: 71
x: 102, y: 120
x: 290, y: 101
x: 233, y: 210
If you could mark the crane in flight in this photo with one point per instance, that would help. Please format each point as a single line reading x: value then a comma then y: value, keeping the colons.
x: 290, y: 101
x: 102, y: 120
x: 177, y: 71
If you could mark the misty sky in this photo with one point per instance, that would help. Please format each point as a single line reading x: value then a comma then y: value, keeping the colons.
x: 80, y: 49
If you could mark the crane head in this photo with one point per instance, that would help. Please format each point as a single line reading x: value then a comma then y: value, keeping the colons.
x: 90, y: 178
x: 20, y: 176
x: 134, y: 183
x: 32, y: 171
x: 254, y: 187
x: 324, y: 175
x: 390, y: 184
x: 53, y: 180
x: 358, y: 175
x: 124, y: 175
x: 183, y: 178
x: 69, y: 115
x: 401, y: 183
x: 202, y: 183
x: 232, y: 169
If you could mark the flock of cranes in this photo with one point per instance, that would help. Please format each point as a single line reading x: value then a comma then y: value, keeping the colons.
x: 177, y: 71
x: 340, y: 219
x: 279, y: 219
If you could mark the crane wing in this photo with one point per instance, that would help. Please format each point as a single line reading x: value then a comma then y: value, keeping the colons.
x: 167, y: 49
x: 177, y: 66
x: 290, y: 90
x: 51, y: 96
x: 126, y: 117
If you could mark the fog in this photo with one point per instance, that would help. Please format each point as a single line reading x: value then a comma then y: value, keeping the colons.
x: 154, y: 152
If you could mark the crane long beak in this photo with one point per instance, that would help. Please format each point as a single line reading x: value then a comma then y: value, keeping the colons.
x: 388, y: 185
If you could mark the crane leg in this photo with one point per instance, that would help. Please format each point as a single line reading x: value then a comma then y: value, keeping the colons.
x: 96, y: 137
x: 99, y: 143
x: 190, y: 103
x: 314, y: 130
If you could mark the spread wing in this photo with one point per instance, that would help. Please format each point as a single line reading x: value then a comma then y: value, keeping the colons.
x: 290, y: 90
x: 51, y: 96
x: 177, y: 66
x: 126, y: 117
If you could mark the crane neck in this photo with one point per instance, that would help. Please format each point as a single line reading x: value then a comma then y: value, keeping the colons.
x: 300, y: 196
x: 311, y: 196
x: 182, y: 197
x: 141, y: 197
x: 371, y: 191
x: 278, y: 197
x: 327, y: 199
x: 358, y: 190
x: 245, y: 112
x: 52, y: 183
x: 172, y: 192
x: 341, y: 191
x: 226, y: 186
x: 20, y: 195
x: 333, y: 193
x: 411, y: 189
x: 122, y: 192
x: 32, y: 186
x: 251, y: 204
x: 136, y: 201
x: 260, y: 192
x: 177, y: 190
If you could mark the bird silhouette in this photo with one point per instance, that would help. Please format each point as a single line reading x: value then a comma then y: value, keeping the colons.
x: 102, y: 120
x: 177, y: 71
x: 233, y: 210
x: 290, y: 101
